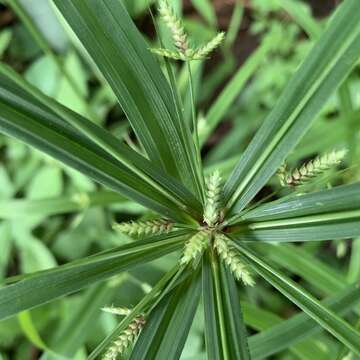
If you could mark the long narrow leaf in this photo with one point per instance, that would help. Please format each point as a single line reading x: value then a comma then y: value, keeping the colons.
x: 47, y: 285
x: 325, y: 215
x: 332, y: 58
x: 25, y: 117
x: 236, y: 331
x: 279, y: 337
x: 165, y: 335
x: 212, y: 330
x: 112, y: 40
x: 311, y: 306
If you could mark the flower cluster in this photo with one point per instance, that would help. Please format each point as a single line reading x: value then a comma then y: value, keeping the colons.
x: 212, y: 211
x: 232, y: 259
x: 127, y: 337
x: 183, y: 50
x: 143, y: 228
x: 195, y: 246
x: 311, y: 169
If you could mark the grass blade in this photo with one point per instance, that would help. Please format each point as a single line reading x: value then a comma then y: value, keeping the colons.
x: 25, y: 117
x: 287, y: 333
x: 311, y: 306
x: 165, y: 334
x: 332, y: 58
x: 112, y: 40
x: 236, y: 331
x: 212, y: 330
x: 39, y: 288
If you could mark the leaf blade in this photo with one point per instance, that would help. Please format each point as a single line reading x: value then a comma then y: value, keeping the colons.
x: 136, y: 79
x: 321, y: 314
x: 331, y: 59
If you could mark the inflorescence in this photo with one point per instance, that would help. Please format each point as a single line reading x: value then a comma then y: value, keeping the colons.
x: 183, y: 50
x: 127, y: 337
x: 231, y: 258
x: 311, y: 169
x: 143, y: 228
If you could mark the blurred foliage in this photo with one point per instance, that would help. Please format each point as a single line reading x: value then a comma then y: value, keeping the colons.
x: 36, y: 241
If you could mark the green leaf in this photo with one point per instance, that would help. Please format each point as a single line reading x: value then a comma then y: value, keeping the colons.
x: 75, y: 330
x: 236, y: 331
x: 289, y: 332
x: 169, y: 323
x: 44, y: 286
x: 263, y: 320
x: 225, y: 332
x: 29, y: 329
x: 21, y: 208
x: 325, y: 215
x: 155, y: 296
x: 306, y: 302
x: 332, y: 58
x: 212, y: 329
x: 339, y: 199
x: 22, y: 115
x: 112, y: 40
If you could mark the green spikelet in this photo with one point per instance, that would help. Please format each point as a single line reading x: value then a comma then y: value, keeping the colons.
x: 143, y: 228
x: 116, y: 310
x: 195, y: 246
x: 314, y: 168
x: 203, y: 51
x: 175, y: 55
x: 231, y: 258
x: 212, y: 212
x: 126, y: 339
x: 174, y: 24
x: 282, y: 174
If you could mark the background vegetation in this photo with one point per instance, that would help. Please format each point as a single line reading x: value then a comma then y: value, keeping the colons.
x: 51, y: 214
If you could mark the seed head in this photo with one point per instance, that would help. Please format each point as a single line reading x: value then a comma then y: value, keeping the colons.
x: 167, y: 13
x: 313, y: 168
x: 195, y: 246
x: 175, y: 55
x: 143, y: 228
x: 203, y: 51
x: 126, y: 339
x: 116, y: 310
x: 232, y: 259
x: 212, y: 212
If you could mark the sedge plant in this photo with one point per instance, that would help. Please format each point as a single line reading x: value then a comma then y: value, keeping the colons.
x: 213, y: 223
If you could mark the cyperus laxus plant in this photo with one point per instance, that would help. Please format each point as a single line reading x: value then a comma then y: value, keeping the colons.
x: 213, y: 224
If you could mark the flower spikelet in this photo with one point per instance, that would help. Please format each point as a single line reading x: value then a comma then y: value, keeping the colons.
x: 213, y: 199
x: 126, y: 339
x: 121, y: 311
x: 232, y: 259
x: 314, y: 168
x: 282, y: 174
x: 175, y: 55
x: 174, y: 24
x: 143, y: 228
x: 203, y: 51
x: 195, y: 246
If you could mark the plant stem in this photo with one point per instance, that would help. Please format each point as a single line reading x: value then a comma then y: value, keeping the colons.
x: 195, y: 126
